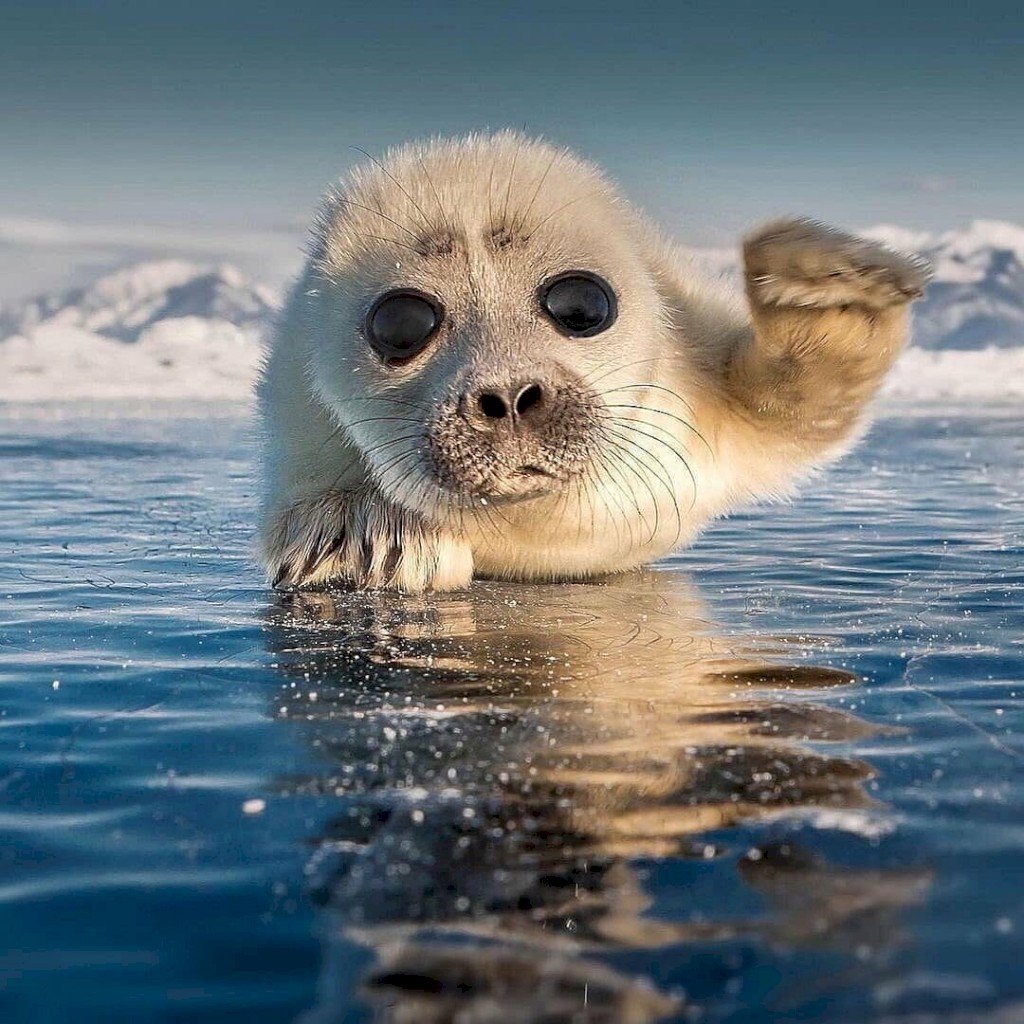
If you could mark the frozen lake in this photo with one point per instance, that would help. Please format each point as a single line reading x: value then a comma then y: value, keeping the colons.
x: 780, y: 778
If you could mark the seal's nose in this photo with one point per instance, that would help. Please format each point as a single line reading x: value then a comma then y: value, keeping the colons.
x: 521, y: 406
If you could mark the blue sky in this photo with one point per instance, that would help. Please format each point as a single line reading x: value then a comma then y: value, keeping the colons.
x: 712, y: 116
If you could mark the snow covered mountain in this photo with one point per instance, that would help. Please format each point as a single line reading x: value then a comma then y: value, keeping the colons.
x: 165, y: 328
x: 124, y: 304
x: 976, y: 298
x: 172, y: 328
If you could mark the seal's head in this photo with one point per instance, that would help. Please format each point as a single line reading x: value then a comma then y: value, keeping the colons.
x: 493, y: 365
x: 477, y: 304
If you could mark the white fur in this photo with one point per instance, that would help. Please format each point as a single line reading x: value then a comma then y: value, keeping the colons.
x: 708, y: 404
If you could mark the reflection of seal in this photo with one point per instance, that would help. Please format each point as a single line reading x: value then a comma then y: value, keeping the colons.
x: 492, y: 365
x: 499, y: 775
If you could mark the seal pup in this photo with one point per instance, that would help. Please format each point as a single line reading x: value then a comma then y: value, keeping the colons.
x: 493, y: 365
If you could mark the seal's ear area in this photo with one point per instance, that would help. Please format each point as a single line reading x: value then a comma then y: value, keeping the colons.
x: 321, y: 226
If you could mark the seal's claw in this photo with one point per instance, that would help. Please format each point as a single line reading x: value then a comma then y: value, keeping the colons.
x: 804, y: 263
x: 362, y: 542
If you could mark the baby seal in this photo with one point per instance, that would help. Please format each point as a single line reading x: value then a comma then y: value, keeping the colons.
x: 492, y: 365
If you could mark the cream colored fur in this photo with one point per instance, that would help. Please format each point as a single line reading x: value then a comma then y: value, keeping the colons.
x: 702, y: 402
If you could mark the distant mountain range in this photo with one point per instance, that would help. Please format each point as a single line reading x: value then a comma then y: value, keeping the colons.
x: 124, y: 304
x: 183, y: 328
x: 976, y: 298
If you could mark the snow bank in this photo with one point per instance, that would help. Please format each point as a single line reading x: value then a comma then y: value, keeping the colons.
x: 198, y: 358
x: 990, y: 373
x: 183, y: 358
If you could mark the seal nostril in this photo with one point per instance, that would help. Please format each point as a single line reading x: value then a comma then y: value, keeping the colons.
x: 492, y: 406
x: 529, y: 398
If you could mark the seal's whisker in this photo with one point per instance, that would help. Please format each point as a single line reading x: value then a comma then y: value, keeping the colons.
x: 607, y: 492
x: 389, y: 399
x: 482, y: 515
x: 668, y: 434
x: 621, y: 458
x: 445, y: 220
x: 666, y: 358
x: 344, y: 426
x: 404, y: 476
x: 394, y: 241
x: 374, y: 449
x: 486, y: 521
x: 345, y: 201
x: 678, y: 454
x: 380, y: 474
x: 649, y: 386
x: 654, y: 470
x: 594, y: 381
x: 579, y: 508
x: 521, y: 221
x: 657, y: 426
x: 490, y: 190
x: 657, y: 410
x: 590, y: 502
x: 559, y: 509
x: 401, y: 188
x: 427, y: 498
x: 597, y: 478
x: 589, y: 377
x: 653, y: 408
x: 411, y: 500
x: 666, y: 483
x: 493, y: 510
x: 615, y: 427
x: 383, y: 419
x: 330, y: 437
x: 394, y: 460
x: 615, y: 459
x: 630, y: 462
x: 558, y: 209
x: 613, y: 492
x: 508, y: 187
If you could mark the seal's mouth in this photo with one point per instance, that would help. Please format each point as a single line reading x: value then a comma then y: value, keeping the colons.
x: 530, y: 470
x: 522, y: 483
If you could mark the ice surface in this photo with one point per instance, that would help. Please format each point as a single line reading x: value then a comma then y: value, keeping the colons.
x: 779, y: 777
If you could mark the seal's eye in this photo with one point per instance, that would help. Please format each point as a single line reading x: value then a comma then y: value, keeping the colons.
x: 400, y: 323
x: 581, y: 304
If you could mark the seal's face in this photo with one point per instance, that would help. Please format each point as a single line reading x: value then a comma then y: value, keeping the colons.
x: 491, y: 366
x: 480, y: 322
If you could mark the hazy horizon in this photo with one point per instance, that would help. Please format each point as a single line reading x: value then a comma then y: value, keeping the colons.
x: 229, y: 119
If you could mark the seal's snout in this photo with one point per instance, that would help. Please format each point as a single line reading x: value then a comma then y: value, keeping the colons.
x: 517, y: 434
x: 521, y: 406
